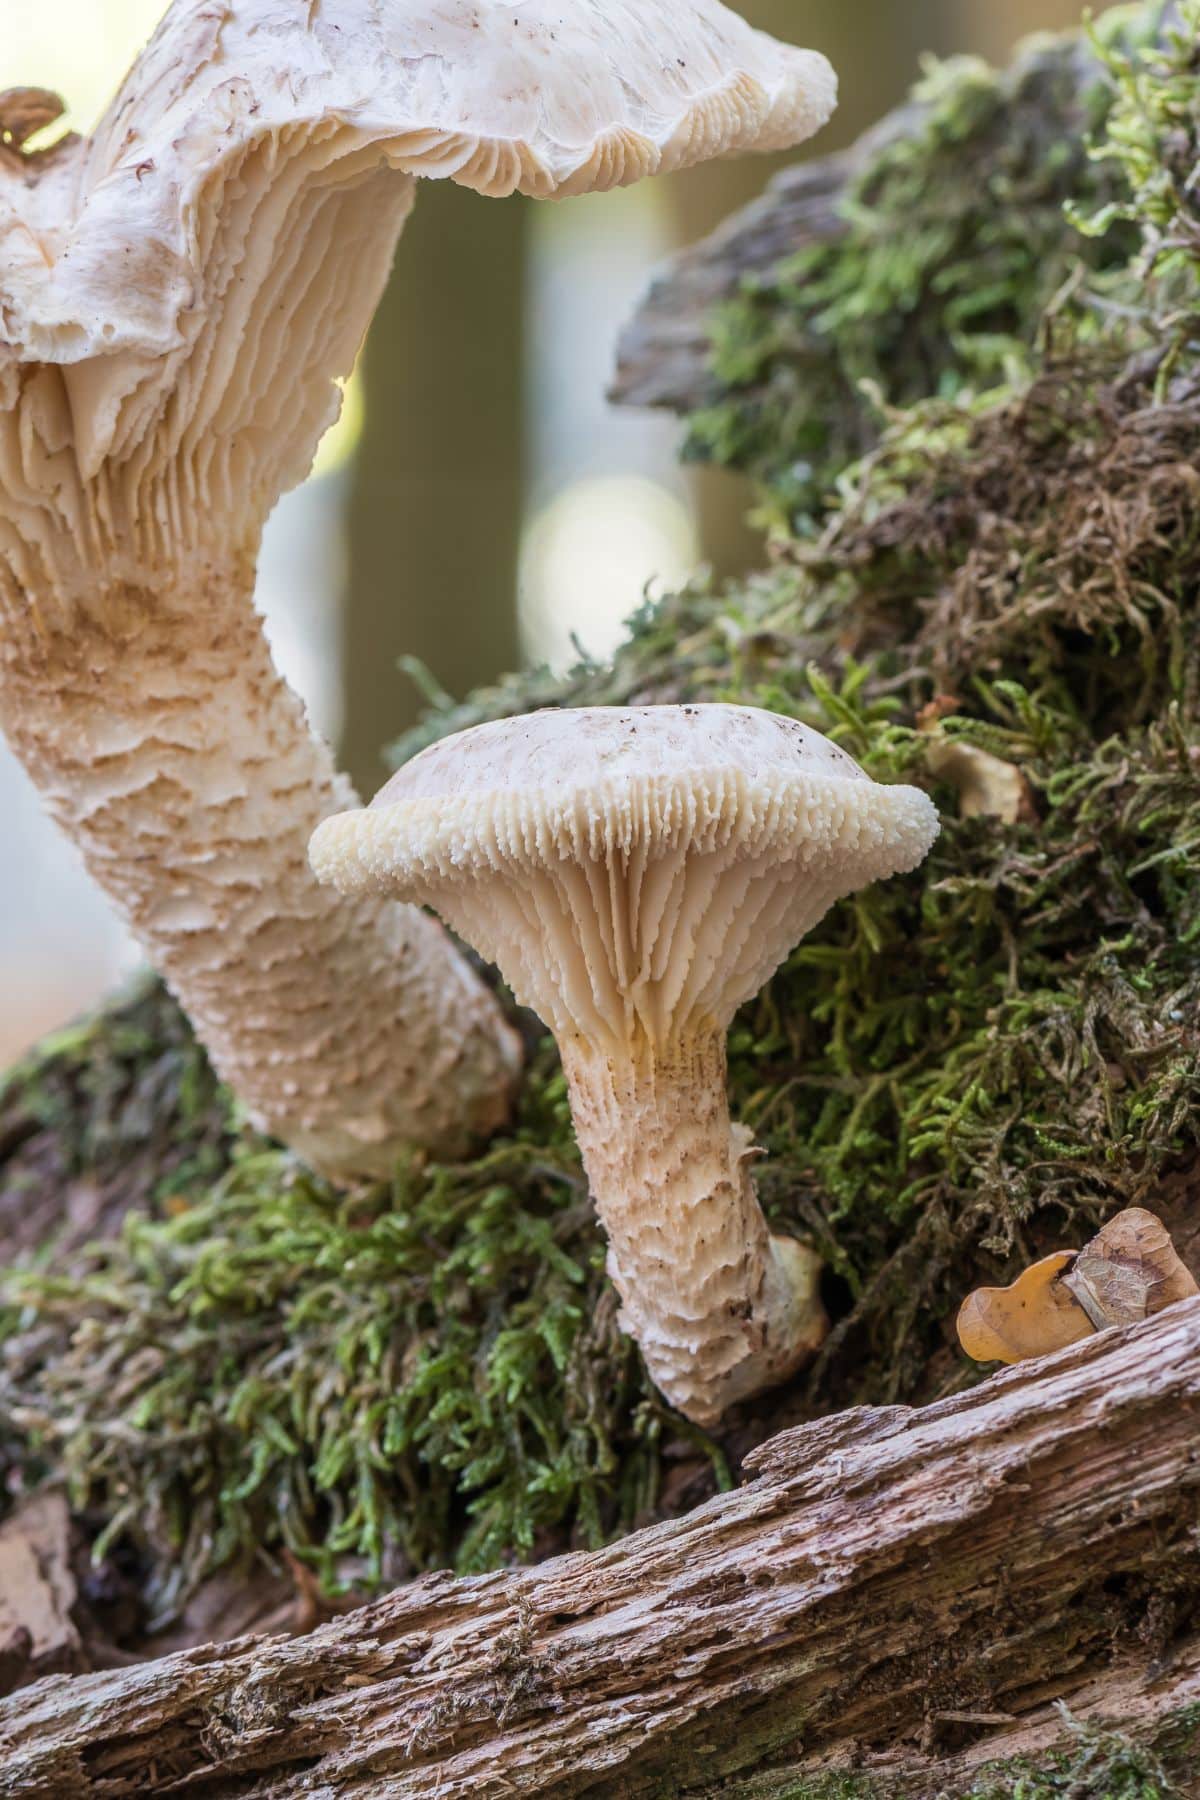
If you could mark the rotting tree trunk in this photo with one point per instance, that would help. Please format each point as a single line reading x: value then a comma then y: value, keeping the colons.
x: 906, y: 1594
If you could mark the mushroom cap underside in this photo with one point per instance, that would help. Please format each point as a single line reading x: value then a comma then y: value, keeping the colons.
x: 101, y: 245
x: 635, y: 872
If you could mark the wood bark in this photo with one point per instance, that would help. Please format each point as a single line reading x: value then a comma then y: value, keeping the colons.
x: 903, y: 1593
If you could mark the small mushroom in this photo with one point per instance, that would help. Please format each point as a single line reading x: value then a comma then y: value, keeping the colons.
x: 1127, y: 1272
x: 637, y: 873
x: 179, y: 294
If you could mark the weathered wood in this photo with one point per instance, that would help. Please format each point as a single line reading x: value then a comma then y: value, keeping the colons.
x: 905, y: 1592
x: 663, y: 352
x: 37, y: 1592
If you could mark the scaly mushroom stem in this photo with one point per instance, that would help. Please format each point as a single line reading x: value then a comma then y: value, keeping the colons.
x: 137, y: 687
x: 719, y: 1307
x: 638, y: 873
x: 162, y: 738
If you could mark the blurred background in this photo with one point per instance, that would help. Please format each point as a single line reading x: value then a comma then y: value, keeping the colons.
x: 478, y: 504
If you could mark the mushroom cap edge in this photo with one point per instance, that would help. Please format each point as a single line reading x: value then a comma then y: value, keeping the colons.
x: 811, y: 803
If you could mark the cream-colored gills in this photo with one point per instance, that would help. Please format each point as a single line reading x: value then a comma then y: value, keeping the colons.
x: 637, y: 874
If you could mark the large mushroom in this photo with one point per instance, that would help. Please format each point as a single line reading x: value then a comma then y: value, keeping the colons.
x: 178, y: 295
x: 637, y: 874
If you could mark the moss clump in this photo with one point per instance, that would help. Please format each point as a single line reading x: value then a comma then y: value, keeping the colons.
x: 954, y: 242
x: 403, y: 1377
x: 957, y: 1070
x: 119, y: 1112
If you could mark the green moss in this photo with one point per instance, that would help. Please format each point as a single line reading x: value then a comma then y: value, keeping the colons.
x: 124, y: 1103
x: 1104, y: 1765
x: 402, y: 1374
x: 1150, y: 139
x: 953, y: 245
x: 958, y: 1069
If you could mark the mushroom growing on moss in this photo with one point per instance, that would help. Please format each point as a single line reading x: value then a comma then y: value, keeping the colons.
x: 637, y: 873
x: 178, y: 295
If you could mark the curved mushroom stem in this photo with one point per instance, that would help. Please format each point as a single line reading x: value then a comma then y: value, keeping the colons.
x: 137, y: 687
x: 719, y: 1307
x: 174, y: 755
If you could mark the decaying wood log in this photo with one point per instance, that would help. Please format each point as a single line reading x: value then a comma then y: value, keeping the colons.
x: 663, y: 355
x: 903, y: 1592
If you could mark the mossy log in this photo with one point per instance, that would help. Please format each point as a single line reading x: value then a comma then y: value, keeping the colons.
x: 663, y: 355
x: 904, y: 1596
x: 926, y: 257
x: 959, y: 1072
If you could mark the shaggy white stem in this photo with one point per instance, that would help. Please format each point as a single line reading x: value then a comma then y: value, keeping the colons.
x: 719, y: 1307
x: 170, y: 750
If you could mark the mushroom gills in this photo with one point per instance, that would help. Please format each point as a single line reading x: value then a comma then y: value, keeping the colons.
x: 635, y: 903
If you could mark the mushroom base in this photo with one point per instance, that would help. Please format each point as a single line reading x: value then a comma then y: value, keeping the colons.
x: 719, y: 1308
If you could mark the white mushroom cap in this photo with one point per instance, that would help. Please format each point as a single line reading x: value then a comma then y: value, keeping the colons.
x: 630, y: 869
x: 541, y: 97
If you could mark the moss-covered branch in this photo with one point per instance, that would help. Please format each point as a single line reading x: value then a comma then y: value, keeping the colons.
x: 957, y: 1071
x: 953, y: 236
